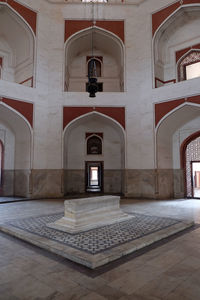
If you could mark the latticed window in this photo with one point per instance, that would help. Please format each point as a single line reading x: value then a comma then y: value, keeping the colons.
x: 94, y: 145
x: 192, y: 154
x: 189, y: 66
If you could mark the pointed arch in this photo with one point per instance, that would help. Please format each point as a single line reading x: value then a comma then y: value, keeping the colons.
x: 174, y: 110
x: 183, y: 161
x: 22, y: 62
x: 162, y: 57
x: 186, y: 60
x: 94, y: 144
x: 114, y: 48
x: 75, y: 153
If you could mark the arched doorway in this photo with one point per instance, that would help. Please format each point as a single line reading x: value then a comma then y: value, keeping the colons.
x: 16, y: 138
x: 190, y: 160
x: 172, y: 130
x: 94, y: 155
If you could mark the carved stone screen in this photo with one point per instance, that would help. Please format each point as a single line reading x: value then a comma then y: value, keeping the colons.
x: 192, y: 154
x: 192, y: 58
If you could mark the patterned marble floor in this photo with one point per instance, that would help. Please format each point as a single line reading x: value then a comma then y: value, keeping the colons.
x: 95, y: 240
x: 171, y: 271
x: 95, y: 247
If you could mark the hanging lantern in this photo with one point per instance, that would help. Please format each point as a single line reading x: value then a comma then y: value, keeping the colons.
x: 92, y: 79
x: 92, y: 71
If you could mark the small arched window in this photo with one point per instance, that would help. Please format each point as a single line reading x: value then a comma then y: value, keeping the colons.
x: 94, y: 145
x: 189, y: 66
x: 94, y: 63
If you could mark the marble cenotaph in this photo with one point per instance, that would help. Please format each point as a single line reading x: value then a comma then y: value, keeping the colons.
x: 89, y: 213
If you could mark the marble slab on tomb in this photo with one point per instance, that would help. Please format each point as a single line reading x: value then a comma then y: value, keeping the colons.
x: 89, y: 213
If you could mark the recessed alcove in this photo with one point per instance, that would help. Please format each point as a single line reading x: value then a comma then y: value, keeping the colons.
x: 107, y: 49
x: 110, y: 160
x: 16, y: 139
x: 172, y: 131
x: 178, y: 32
x: 16, y: 47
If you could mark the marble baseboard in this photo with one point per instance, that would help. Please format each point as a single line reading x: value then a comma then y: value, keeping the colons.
x: 144, y: 184
x: 113, y: 181
x: 179, y: 190
x: 140, y: 183
x: 7, y: 188
x: 165, y: 184
x: 74, y: 181
x: 46, y: 183
x: 21, y: 183
x: 154, y: 184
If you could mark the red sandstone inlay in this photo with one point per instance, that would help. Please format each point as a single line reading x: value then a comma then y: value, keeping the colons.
x: 24, y: 108
x: 71, y: 113
x: 159, y: 17
x: 29, y: 15
x: 162, y: 109
x: 73, y: 26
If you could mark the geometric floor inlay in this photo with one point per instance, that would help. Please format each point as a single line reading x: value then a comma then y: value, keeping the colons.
x: 99, y: 246
x: 97, y: 240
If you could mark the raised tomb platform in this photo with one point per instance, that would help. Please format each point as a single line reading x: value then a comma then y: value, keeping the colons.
x: 89, y: 213
x: 93, y: 231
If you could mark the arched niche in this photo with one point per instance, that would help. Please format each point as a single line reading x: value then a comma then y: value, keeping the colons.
x: 178, y: 32
x: 16, y: 136
x: 190, y: 156
x: 17, y: 42
x: 75, y: 153
x: 171, y: 131
x: 105, y: 45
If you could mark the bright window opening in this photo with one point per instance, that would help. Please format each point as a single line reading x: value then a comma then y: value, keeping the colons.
x: 193, y: 71
x: 196, y: 178
x: 94, y: 176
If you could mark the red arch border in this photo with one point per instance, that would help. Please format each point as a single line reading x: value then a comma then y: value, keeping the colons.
x: 24, y: 108
x: 159, y: 17
x: 73, y: 26
x: 163, y: 108
x: 29, y: 15
x: 72, y: 112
